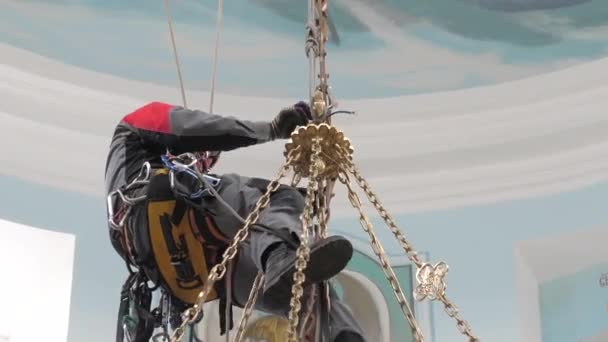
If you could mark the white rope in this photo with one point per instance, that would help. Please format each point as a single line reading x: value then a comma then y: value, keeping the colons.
x: 175, y: 55
x: 183, y: 92
x: 215, y: 52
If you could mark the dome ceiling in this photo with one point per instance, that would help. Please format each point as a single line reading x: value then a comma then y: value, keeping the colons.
x: 380, y: 49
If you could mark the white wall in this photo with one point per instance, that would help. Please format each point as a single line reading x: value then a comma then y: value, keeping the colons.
x: 601, y: 337
x: 527, y: 290
x: 36, y: 267
x: 546, y: 258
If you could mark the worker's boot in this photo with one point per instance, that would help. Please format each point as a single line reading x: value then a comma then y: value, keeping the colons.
x: 328, y: 257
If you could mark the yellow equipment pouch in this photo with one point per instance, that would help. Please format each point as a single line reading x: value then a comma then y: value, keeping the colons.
x: 185, y: 244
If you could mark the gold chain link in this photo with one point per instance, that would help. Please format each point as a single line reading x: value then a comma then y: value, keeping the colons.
x: 407, y: 247
x: 248, y: 309
x: 462, y: 325
x: 323, y: 208
x: 309, y: 325
x: 379, y: 251
x: 303, y: 251
x: 192, y: 314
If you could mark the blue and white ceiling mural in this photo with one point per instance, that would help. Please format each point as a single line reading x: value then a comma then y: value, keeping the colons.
x: 380, y: 48
x: 481, y: 125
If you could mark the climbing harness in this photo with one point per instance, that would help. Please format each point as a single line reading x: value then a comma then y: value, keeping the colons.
x: 173, y: 250
x: 323, y: 154
x: 119, y: 202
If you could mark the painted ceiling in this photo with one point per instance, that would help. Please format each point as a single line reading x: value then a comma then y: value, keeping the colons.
x: 379, y: 49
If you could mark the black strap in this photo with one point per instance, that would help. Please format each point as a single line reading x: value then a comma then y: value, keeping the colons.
x: 222, y: 289
x: 123, y: 308
x: 181, y: 207
x: 167, y: 229
x: 325, y: 309
x: 135, y: 290
x: 222, y: 313
x: 180, y: 258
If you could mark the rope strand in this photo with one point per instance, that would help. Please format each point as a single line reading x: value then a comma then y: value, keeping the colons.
x: 215, y: 53
x: 175, y: 55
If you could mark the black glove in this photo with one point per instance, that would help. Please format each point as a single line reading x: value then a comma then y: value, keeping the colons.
x: 288, y: 119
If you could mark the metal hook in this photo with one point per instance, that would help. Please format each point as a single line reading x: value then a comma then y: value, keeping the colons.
x: 350, y: 112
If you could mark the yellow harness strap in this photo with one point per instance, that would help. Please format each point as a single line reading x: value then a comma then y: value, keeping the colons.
x: 180, y: 256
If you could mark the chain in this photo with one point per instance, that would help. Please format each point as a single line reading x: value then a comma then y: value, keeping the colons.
x: 309, y: 324
x: 303, y: 251
x: 218, y: 271
x: 320, y: 7
x: 462, y: 325
x: 317, y: 35
x: 407, y: 247
x: 323, y: 209
x: 450, y: 308
x: 379, y: 251
x: 248, y: 310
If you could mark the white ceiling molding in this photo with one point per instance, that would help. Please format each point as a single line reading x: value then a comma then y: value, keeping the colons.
x: 519, y: 139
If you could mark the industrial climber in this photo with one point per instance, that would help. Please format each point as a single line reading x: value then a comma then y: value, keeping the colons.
x: 172, y: 227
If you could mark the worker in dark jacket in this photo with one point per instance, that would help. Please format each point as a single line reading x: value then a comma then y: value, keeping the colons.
x: 150, y: 131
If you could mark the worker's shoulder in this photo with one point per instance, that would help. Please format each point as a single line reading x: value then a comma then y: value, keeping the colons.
x: 155, y: 106
x: 151, y: 114
x: 150, y: 109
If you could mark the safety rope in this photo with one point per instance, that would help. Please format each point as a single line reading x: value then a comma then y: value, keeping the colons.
x: 215, y: 54
x: 175, y: 55
x: 218, y: 27
x: 211, y: 101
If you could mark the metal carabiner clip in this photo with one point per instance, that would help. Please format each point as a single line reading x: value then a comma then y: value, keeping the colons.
x: 112, y: 212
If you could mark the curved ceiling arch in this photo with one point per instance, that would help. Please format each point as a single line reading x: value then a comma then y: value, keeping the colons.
x: 424, y: 152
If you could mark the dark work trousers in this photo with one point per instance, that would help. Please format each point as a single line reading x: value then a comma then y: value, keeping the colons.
x: 282, y: 215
